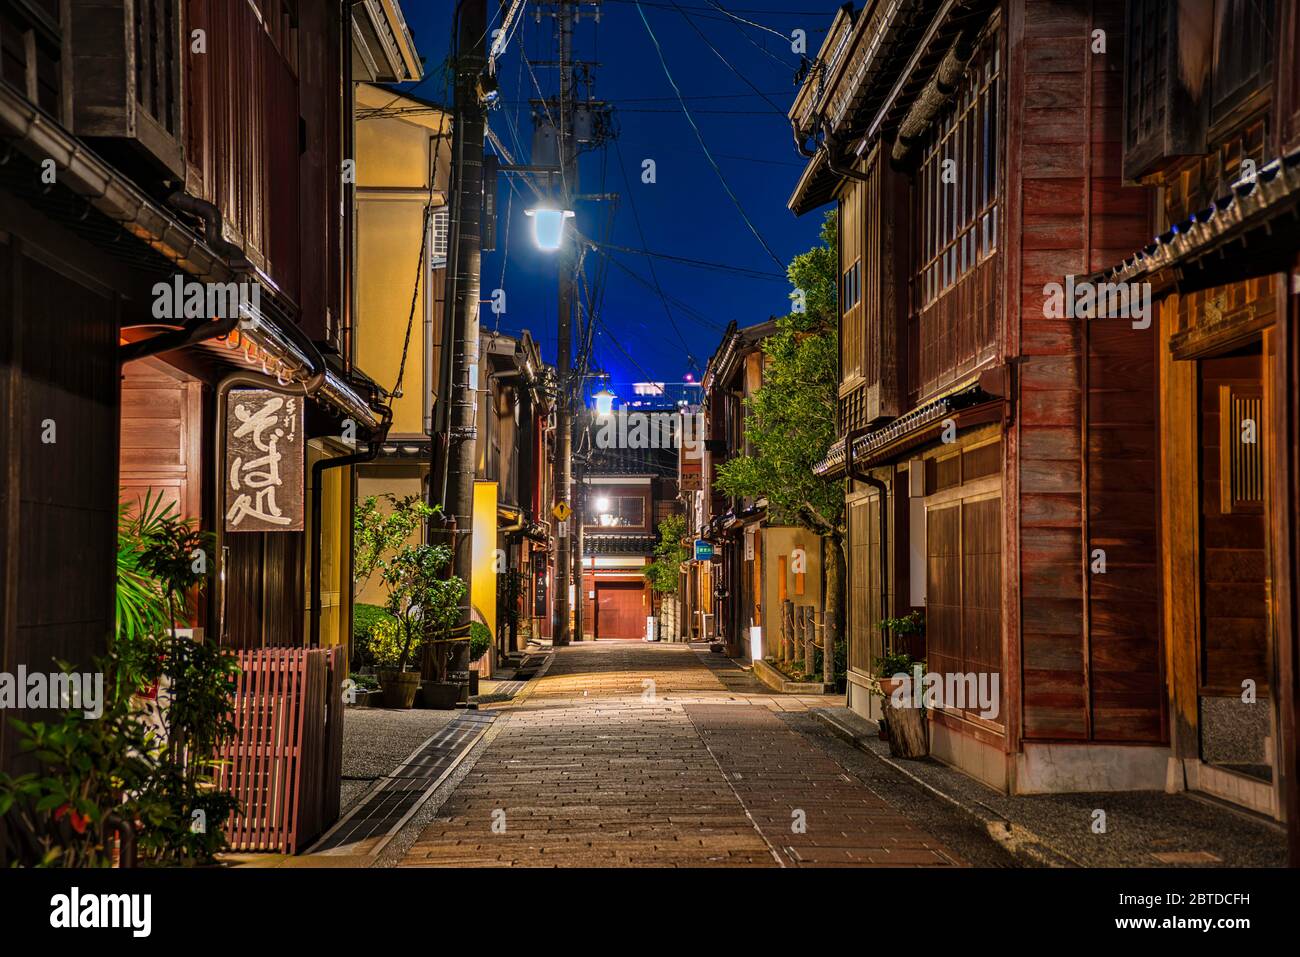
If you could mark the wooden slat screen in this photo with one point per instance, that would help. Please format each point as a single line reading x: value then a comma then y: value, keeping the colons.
x: 864, y: 612
x: 964, y: 589
x: 284, y: 765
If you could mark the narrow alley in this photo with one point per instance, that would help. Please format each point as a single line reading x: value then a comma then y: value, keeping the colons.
x: 625, y: 753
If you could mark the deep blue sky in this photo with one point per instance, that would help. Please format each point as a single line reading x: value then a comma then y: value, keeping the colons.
x: 687, y: 212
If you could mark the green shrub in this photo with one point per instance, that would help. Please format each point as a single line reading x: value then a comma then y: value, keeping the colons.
x: 364, y: 619
x: 480, y: 640
x: 387, y: 644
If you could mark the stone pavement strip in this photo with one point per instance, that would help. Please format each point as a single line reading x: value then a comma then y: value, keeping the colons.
x: 636, y: 754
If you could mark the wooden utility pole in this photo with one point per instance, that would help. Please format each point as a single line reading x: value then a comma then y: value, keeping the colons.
x: 452, y: 482
x: 559, y: 112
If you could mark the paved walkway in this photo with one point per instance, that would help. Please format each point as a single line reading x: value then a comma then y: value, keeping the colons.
x: 632, y: 754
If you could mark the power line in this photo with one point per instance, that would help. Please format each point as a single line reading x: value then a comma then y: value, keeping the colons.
x: 673, y: 99
x: 699, y: 136
x: 697, y: 263
x: 745, y: 33
x: 727, y: 13
x: 728, y: 63
x: 688, y: 311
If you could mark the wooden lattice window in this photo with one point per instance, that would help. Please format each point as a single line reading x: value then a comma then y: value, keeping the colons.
x: 959, y: 178
x: 1243, y: 54
x: 31, y: 52
x: 1148, y: 67
x: 1241, y: 440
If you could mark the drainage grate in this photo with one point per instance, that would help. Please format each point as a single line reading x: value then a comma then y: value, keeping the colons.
x: 380, y: 815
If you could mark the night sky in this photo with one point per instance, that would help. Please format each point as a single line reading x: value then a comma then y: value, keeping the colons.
x: 687, y: 213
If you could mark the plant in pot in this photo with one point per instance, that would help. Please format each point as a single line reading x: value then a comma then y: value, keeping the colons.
x: 364, y: 620
x: 903, y: 725
x: 144, y: 766
x: 422, y: 600
x: 897, y: 659
x: 424, y: 604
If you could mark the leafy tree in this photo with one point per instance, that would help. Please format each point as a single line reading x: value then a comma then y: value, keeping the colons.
x: 790, y: 419
x: 664, y: 573
x: 379, y: 531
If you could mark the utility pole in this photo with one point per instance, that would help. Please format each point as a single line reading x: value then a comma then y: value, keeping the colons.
x: 452, y: 482
x: 560, y: 112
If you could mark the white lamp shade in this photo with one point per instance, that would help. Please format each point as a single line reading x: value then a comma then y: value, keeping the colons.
x: 548, y: 227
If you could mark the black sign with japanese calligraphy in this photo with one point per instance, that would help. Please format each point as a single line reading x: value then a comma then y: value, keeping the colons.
x: 264, y: 461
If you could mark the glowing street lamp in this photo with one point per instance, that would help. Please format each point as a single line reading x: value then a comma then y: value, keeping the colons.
x: 604, y: 401
x: 548, y: 227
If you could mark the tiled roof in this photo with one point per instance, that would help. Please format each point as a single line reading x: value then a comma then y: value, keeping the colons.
x: 1274, y: 189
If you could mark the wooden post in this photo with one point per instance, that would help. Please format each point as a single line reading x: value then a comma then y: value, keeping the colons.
x: 787, y: 630
x: 809, y: 630
x: 828, y: 652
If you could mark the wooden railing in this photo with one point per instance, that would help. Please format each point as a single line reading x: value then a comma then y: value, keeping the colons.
x: 284, y: 765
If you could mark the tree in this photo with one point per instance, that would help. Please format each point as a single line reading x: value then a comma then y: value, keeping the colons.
x: 423, y: 600
x: 664, y: 573
x: 421, y: 597
x: 790, y: 419
x: 379, y: 532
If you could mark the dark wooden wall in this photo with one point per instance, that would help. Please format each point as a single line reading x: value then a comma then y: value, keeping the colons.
x: 1090, y: 644
x: 58, y: 500
x: 266, y: 597
x: 162, y: 436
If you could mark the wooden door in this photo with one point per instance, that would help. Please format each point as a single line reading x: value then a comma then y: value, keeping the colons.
x: 620, y: 610
x: 1234, y: 602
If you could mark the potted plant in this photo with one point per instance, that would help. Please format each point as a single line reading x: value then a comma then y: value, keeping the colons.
x: 897, y: 659
x: 422, y: 601
x: 425, y: 604
x: 480, y: 640
x: 887, y: 666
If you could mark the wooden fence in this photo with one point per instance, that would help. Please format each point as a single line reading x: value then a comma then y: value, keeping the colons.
x: 285, y: 762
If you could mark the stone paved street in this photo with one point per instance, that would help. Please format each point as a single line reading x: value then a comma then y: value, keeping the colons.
x: 631, y: 754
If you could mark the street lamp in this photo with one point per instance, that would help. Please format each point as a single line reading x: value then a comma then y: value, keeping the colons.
x: 548, y: 227
x: 604, y: 401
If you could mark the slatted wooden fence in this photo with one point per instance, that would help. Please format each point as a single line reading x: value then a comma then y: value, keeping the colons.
x: 284, y: 764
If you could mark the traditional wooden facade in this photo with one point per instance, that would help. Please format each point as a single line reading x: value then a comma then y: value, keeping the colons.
x: 995, y: 452
x: 757, y: 564
x: 625, y: 489
x: 158, y: 145
x: 1213, y: 120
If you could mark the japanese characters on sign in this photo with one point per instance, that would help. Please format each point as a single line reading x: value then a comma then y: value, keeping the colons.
x: 264, y: 462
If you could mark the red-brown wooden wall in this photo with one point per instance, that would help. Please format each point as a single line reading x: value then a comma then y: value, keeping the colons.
x: 1087, y: 444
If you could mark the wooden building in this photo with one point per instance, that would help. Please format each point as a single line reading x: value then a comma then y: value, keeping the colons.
x: 1212, y: 129
x: 626, y: 487
x: 200, y: 147
x: 996, y: 454
x: 756, y: 564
